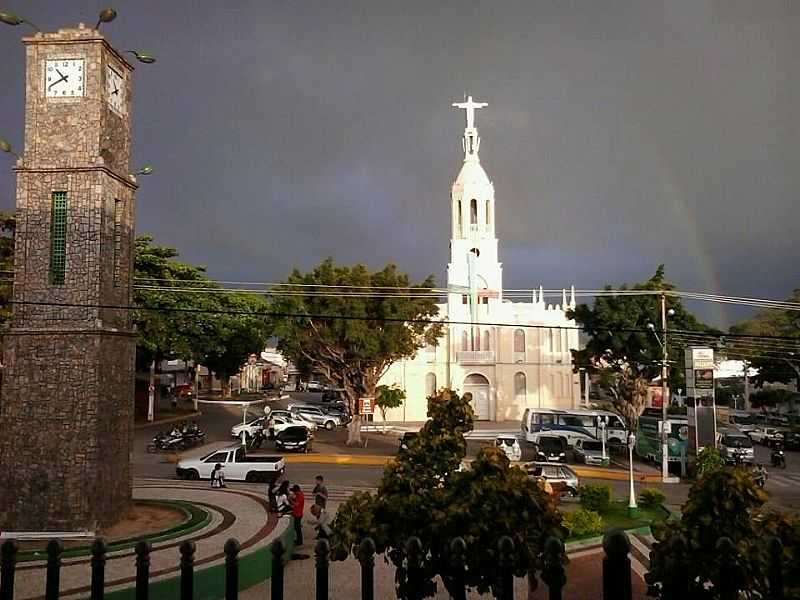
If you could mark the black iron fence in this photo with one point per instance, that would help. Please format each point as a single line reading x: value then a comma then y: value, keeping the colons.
x: 616, y: 571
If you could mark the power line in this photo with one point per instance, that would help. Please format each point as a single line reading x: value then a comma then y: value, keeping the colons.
x: 702, y: 334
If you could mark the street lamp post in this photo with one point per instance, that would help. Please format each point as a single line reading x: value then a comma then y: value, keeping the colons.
x: 633, y: 510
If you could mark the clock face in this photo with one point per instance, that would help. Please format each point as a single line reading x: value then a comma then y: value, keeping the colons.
x: 115, y: 90
x: 63, y: 78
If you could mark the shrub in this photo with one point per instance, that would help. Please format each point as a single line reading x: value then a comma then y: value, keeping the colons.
x: 595, y: 497
x: 709, y: 459
x: 583, y: 522
x: 651, y: 497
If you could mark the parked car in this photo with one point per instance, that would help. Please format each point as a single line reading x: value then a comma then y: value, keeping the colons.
x: 561, y: 478
x: 316, y: 415
x: 315, y: 386
x: 550, y: 448
x: 238, y: 466
x: 509, y: 444
x: 250, y: 428
x: 340, y: 411
x: 589, y: 452
x: 766, y: 435
x: 296, y: 437
x: 184, y: 390
x: 404, y: 441
x: 735, y: 447
x: 295, y: 418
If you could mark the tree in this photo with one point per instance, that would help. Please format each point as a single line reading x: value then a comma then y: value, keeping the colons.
x: 776, y: 361
x: 771, y: 398
x: 722, y: 502
x: 621, y: 348
x: 353, y: 338
x: 423, y: 493
x: 241, y: 333
x: 388, y: 397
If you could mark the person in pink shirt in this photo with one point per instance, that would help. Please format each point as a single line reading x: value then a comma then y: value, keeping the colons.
x: 298, y: 506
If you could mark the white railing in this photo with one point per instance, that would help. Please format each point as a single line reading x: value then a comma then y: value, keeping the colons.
x: 475, y: 357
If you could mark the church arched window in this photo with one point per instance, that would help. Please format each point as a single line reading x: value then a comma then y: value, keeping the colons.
x: 557, y: 334
x: 464, y: 341
x: 519, y: 341
x: 430, y: 384
x: 473, y: 212
x: 460, y: 220
x: 488, y: 214
x: 487, y: 340
x: 519, y: 387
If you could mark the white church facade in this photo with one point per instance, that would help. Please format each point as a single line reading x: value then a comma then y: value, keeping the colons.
x: 509, y: 355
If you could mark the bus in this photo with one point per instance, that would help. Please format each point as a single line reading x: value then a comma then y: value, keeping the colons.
x: 572, y: 424
x: 648, y: 436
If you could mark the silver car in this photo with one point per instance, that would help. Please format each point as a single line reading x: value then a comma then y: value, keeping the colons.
x: 589, y: 452
x: 561, y: 478
x: 316, y: 415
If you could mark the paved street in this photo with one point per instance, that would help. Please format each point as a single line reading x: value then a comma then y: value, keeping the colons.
x: 783, y: 485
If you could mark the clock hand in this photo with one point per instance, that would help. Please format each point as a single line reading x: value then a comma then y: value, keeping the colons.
x: 115, y: 92
x: 63, y: 78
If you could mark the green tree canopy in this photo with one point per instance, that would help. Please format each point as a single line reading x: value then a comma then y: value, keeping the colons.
x: 423, y: 493
x: 776, y: 361
x: 210, y: 326
x: 370, y: 332
x: 623, y: 350
x: 241, y: 330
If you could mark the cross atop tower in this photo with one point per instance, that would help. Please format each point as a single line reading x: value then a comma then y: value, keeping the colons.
x: 469, y: 106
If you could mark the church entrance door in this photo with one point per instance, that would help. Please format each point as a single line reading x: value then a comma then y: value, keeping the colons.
x: 478, y: 386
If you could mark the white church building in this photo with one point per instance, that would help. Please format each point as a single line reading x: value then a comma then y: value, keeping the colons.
x: 509, y: 355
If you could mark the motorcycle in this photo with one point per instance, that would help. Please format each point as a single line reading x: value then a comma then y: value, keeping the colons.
x: 167, y: 442
x: 760, y: 476
x: 778, y: 458
x: 257, y: 440
x: 192, y: 434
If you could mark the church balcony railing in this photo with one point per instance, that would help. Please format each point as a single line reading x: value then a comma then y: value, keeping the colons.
x: 475, y: 357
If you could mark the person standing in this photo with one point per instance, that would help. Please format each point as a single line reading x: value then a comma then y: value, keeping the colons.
x: 218, y: 476
x: 320, y: 492
x: 298, y: 506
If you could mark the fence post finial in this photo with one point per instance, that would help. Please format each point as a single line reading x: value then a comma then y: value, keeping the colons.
x: 53, y: 577
x: 616, y: 566
x: 366, y: 556
x: 322, y: 552
x: 276, y: 584
x: 553, y: 572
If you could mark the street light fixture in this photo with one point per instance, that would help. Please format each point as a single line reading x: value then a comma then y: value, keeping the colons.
x: 106, y: 16
x: 7, y: 148
x: 145, y: 170
x: 662, y: 341
x: 12, y: 19
x: 142, y: 57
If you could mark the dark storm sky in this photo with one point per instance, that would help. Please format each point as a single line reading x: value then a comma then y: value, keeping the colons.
x: 618, y: 134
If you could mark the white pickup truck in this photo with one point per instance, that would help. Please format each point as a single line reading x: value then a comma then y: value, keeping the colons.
x: 238, y: 466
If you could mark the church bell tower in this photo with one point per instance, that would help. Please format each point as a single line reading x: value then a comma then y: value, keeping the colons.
x: 66, y: 413
x: 474, y: 268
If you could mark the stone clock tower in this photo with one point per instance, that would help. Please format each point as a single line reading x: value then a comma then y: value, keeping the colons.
x: 66, y: 413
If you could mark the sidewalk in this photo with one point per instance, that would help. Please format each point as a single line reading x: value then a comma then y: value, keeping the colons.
x: 237, y: 513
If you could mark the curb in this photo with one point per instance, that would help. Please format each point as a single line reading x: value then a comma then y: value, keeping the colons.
x: 146, y: 424
x: 377, y: 460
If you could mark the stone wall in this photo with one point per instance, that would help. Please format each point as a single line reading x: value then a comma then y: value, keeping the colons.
x: 66, y: 415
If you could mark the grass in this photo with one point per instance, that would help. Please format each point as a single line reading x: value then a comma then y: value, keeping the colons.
x: 616, y: 517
